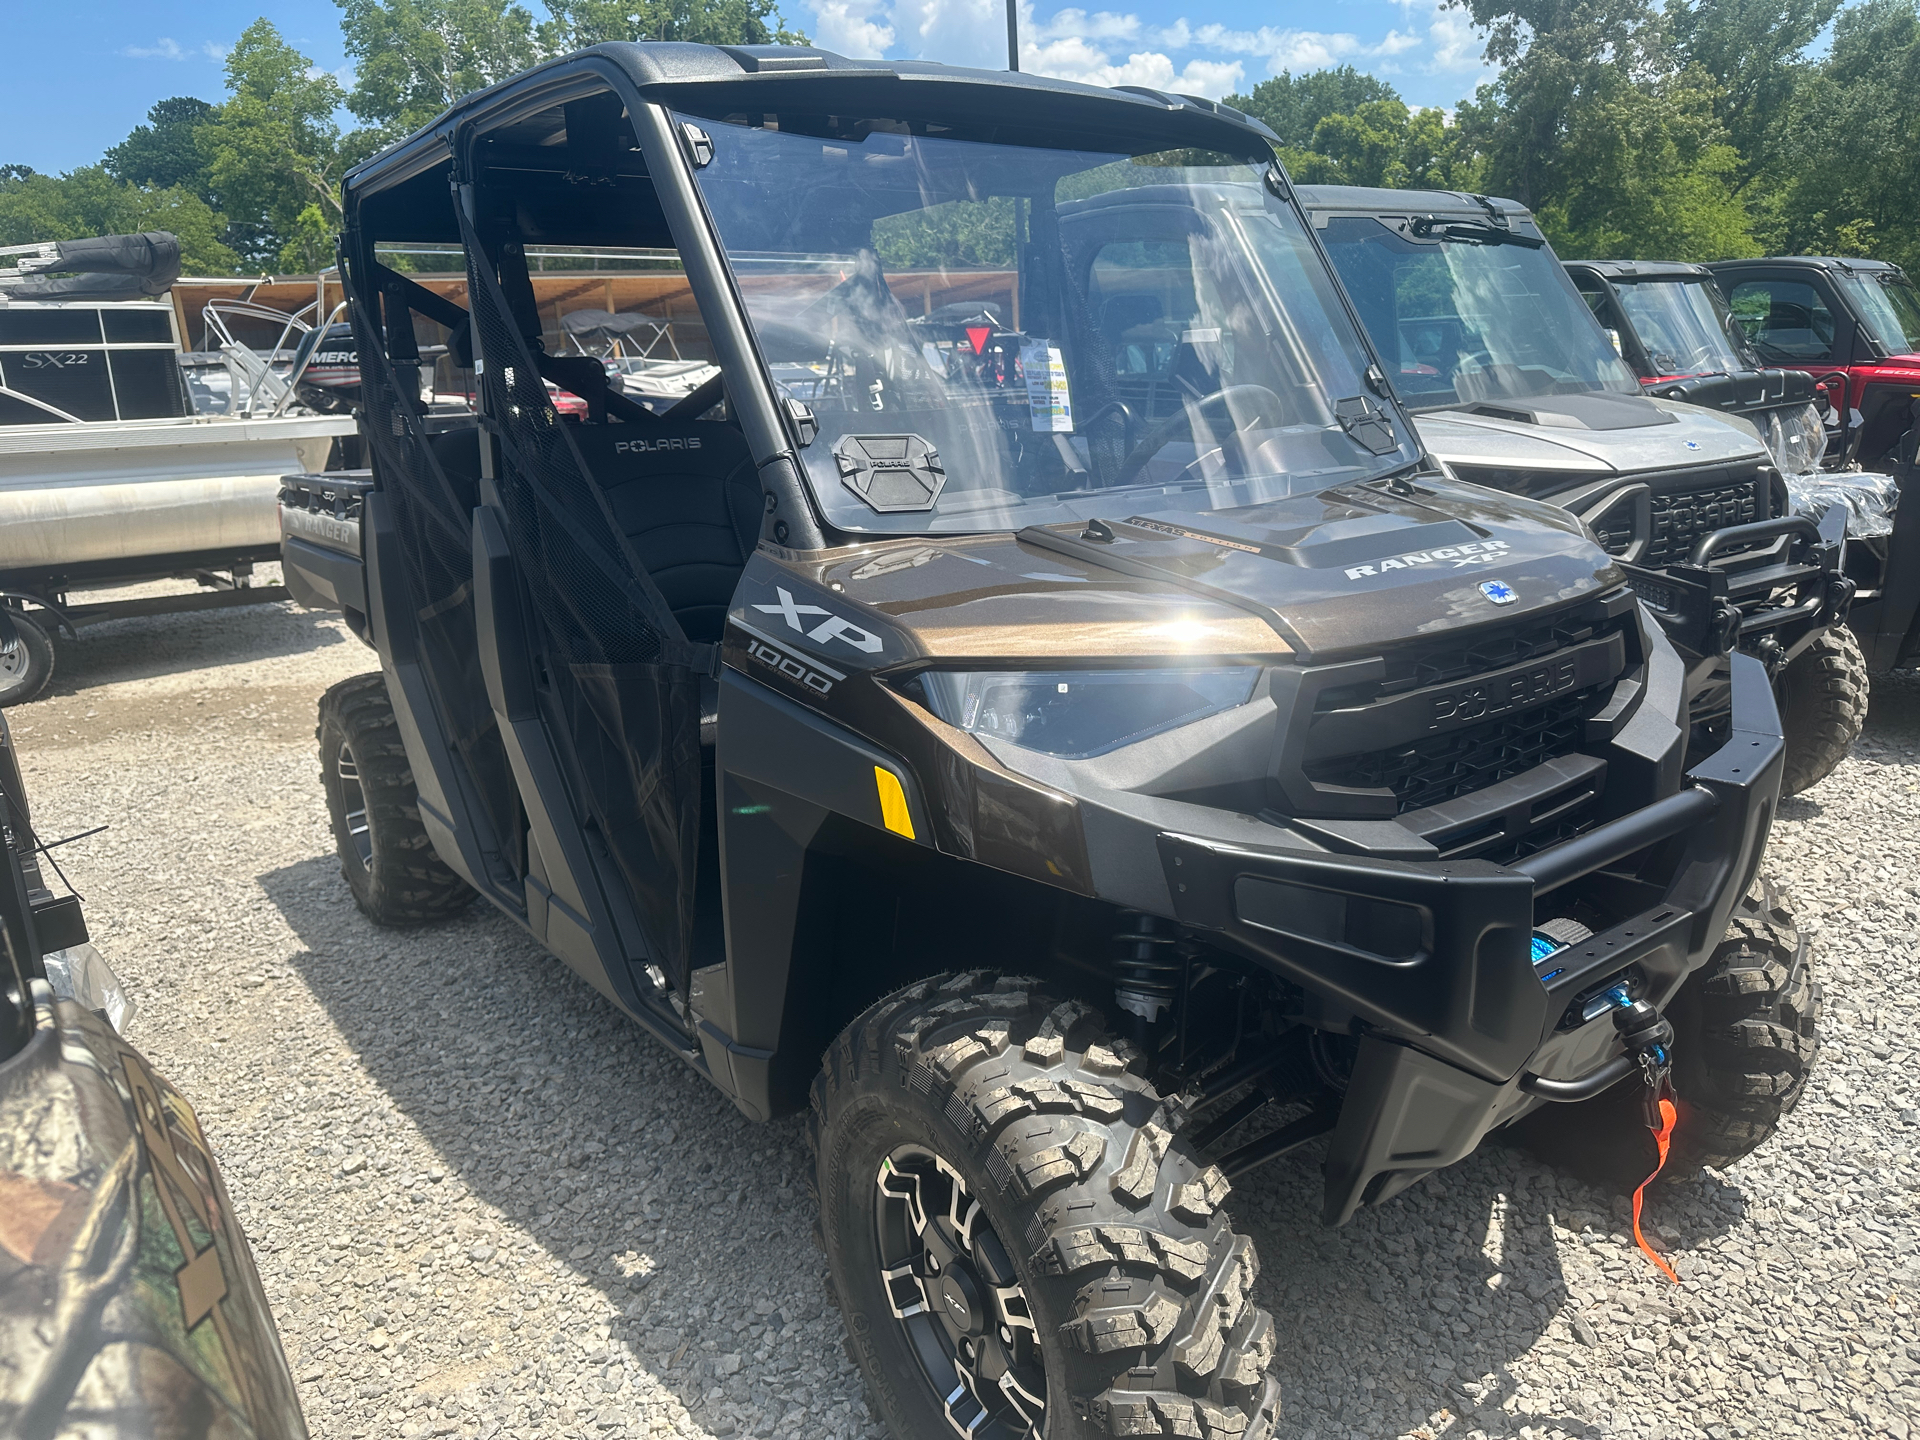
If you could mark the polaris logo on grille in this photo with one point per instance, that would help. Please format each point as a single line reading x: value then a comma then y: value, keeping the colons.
x: 1497, y: 697
x: 1477, y: 552
x: 671, y: 442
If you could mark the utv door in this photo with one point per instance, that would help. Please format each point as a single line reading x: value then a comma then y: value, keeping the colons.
x: 1795, y: 319
x: 604, y: 534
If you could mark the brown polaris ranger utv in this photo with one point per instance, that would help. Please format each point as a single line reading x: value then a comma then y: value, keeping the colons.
x: 1037, y: 708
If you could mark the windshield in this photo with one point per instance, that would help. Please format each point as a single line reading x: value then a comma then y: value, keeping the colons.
x: 1889, y: 305
x: 1461, y: 321
x: 1685, y: 328
x: 993, y: 335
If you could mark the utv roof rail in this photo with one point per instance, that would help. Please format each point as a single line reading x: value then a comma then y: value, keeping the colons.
x: 1402, y: 202
x: 1643, y: 269
x: 658, y: 67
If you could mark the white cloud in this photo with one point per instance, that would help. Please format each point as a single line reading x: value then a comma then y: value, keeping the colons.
x: 1076, y: 59
x: 1119, y: 47
x: 852, y: 27
x: 957, y: 32
x: 1078, y: 25
x: 161, y: 49
x: 167, y: 48
x: 1456, y: 45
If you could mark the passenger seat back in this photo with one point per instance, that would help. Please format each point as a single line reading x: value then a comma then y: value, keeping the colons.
x: 687, y: 497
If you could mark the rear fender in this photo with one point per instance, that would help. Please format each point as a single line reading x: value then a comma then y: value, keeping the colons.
x: 60, y: 618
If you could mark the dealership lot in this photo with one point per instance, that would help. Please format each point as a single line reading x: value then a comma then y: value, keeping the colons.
x: 485, y: 1204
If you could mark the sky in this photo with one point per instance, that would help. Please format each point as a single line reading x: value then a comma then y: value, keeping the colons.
x: 72, y: 89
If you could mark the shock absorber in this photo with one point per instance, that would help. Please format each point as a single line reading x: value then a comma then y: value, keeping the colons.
x: 1147, y: 966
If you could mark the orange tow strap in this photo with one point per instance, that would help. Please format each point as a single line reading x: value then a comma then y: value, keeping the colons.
x: 1663, y: 1140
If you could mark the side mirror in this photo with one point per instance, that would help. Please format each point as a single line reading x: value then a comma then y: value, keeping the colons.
x: 805, y: 426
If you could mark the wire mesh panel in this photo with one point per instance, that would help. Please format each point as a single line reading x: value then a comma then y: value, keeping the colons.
x: 433, y: 516
x: 623, y: 675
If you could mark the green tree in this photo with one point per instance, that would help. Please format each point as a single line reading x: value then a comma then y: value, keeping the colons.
x: 166, y: 150
x: 414, y: 58
x: 1293, y: 106
x: 1595, y: 126
x: 1383, y: 143
x: 89, y: 201
x: 1850, y: 170
x: 1654, y: 182
x: 576, y: 24
x: 1755, y: 50
x: 273, y: 149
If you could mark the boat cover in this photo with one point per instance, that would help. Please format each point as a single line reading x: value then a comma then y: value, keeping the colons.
x: 586, y: 322
x: 107, y: 267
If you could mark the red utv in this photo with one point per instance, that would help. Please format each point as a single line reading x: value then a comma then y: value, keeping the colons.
x: 1854, y: 325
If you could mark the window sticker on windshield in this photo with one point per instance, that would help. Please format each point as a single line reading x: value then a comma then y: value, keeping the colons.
x: 1047, y: 397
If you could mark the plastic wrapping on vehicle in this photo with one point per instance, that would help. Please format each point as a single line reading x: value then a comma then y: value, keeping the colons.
x: 1797, y: 438
x: 80, y: 973
x: 621, y: 668
x: 1870, y: 498
x: 433, y: 516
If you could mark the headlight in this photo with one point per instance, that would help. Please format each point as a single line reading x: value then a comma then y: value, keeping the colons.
x: 1077, y: 713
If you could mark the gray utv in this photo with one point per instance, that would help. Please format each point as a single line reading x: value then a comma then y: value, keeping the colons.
x: 1035, y: 705
x: 1515, y: 384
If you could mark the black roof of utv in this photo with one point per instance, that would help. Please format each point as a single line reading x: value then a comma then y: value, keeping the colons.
x: 1372, y: 200
x: 724, y: 79
x: 1642, y: 269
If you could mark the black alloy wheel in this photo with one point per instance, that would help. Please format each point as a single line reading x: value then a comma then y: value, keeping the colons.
x: 952, y: 1286
x: 1021, y: 1243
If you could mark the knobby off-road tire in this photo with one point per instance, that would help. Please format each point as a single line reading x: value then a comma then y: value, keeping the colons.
x: 1098, y: 1247
x: 388, y: 862
x: 1745, y: 1037
x: 25, y: 671
x: 1823, y: 705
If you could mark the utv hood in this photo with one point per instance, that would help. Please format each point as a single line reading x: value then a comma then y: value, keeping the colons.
x: 1354, y: 568
x: 1587, y: 436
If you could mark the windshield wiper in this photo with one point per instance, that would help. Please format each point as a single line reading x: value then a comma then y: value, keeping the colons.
x: 1472, y: 232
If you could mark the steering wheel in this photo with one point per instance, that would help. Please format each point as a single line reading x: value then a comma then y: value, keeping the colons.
x: 1163, y: 434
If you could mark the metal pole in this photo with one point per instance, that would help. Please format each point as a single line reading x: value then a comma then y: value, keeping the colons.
x: 1013, y: 34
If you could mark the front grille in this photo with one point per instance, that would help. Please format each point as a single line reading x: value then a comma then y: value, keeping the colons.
x: 1414, y: 666
x: 1680, y: 518
x: 1445, y: 767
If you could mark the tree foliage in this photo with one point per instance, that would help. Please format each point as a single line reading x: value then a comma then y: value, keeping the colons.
x: 273, y: 150
x: 414, y: 58
x: 166, y: 150
x: 1755, y: 50
x: 577, y: 24
x: 1292, y: 106
x: 1851, y: 184
x: 89, y: 201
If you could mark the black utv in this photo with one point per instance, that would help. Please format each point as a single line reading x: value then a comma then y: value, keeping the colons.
x: 1037, y: 707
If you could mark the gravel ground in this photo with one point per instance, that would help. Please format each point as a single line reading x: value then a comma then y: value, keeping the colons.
x: 486, y: 1205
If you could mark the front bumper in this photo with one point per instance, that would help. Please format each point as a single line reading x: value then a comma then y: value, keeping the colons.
x: 1432, y: 960
x: 1767, y: 588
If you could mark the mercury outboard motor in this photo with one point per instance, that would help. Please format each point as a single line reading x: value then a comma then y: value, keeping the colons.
x: 330, y: 380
